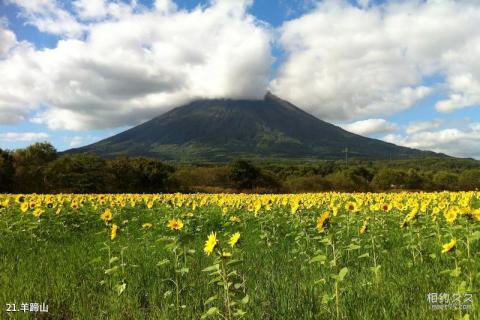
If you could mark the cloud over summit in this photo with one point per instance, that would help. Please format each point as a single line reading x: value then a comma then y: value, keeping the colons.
x: 132, y: 68
x: 118, y: 63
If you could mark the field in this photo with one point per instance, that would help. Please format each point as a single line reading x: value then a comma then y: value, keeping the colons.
x: 218, y: 256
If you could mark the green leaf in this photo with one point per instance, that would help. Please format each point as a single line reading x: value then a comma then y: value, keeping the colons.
x: 325, y: 298
x: 475, y: 236
x: 245, y: 299
x: 111, y: 270
x: 215, y: 267
x: 365, y: 255
x: 96, y: 260
x: 167, y: 294
x: 211, y: 299
x: 456, y: 272
x: 183, y: 270
x: 237, y: 285
x: 320, y: 281
x: 233, y: 262
x: 375, y: 269
x: 113, y: 259
x: 342, y: 273
x: 211, y: 312
x: 239, y: 313
x: 446, y: 271
x: 162, y: 262
x: 120, y: 288
x: 216, y: 279
x: 353, y: 247
x: 320, y: 258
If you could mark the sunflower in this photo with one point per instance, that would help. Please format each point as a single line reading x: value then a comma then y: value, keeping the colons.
x: 351, y: 206
x: 322, y: 220
x: 20, y: 198
x: 113, y: 235
x: 37, y: 212
x: 210, y: 244
x: 24, y: 207
x: 449, y: 246
x: 451, y: 215
x: 364, y: 227
x: 235, y: 219
x: 107, y: 215
x: 386, y: 207
x: 226, y: 254
x: 234, y: 239
x: 175, y: 224
x: 476, y: 214
x: 147, y: 225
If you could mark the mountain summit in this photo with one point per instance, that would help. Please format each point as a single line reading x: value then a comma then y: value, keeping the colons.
x: 222, y: 129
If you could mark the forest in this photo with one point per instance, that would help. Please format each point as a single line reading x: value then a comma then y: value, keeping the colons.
x: 39, y: 168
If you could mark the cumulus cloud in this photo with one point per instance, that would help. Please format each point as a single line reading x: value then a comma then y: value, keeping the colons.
x: 7, y: 39
x: 75, y: 141
x: 371, y: 127
x: 418, y: 126
x: 463, y: 142
x: 49, y: 16
x: 23, y: 136
x: 131, y: 69
x: 91, y: 9
x: 346, y: 61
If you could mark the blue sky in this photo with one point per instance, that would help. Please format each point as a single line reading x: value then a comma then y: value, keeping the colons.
x: 79, y: 71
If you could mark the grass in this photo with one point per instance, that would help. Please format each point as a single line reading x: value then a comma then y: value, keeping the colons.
x: 285, y: 266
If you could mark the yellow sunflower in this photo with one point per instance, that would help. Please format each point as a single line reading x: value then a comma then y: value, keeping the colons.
x: 234, y: 239
x: 210, y: 244
x: 175, y: 224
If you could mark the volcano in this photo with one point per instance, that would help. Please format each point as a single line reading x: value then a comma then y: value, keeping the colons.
x: 222, y: 129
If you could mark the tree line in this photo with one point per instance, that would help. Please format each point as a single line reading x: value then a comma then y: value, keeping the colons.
x: 39, y: 168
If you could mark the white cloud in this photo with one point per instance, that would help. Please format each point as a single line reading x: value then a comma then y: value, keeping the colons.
x: 463, y: 142
x: 91, y: 9
x: 48, y: 16
x: 75, y: 141
x: 346, y: 62
x: 418, y: 126
x: 133, y: 68
x: 7, y: 39
x: 363, y: 3
x: 23, y: 136
x: 371, y: 127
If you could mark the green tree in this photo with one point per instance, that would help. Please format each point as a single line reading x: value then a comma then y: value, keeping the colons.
x: 445, y: 180
x: 139, y: 175
x: 7, y: 171
x: 307, y: 184
x: 30, y: 164
x: 243, y: 174
x: 413, y: 180
x: 469, y: 179
x: 77, y: 173
x: 387, y: 178
x: 347, y: 180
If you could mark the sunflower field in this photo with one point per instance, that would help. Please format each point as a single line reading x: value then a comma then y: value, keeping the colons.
x: 238, y: 256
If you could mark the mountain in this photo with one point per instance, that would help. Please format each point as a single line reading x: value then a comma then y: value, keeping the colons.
x: 222, y: 129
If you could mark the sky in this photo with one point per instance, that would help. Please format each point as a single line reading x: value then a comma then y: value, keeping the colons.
x: 407, y: 72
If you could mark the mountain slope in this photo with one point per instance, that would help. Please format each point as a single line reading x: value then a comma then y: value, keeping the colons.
x: 222, y: 129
